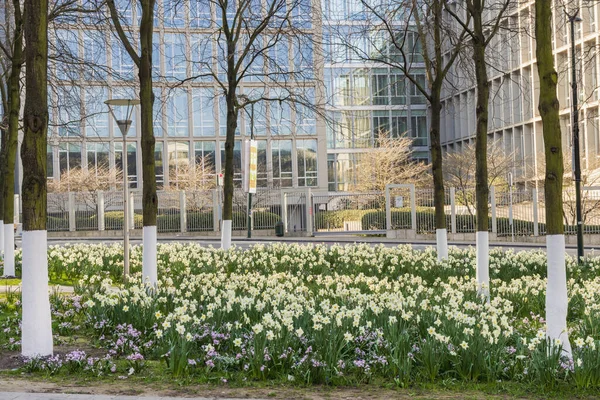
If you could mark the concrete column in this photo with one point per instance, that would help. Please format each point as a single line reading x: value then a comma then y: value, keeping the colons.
x: 131, y: 211
x: 388, y: 210
x: 71, y: 203
x: 453, y: 209
x: 182, y: 211
x: 493, y: 208
x: 101, y: 210
x: 216, y: 212
x: 534, y: 200
x: 284, y: 211
x: 17, y: 207
x: 413, y: 208
x: 309, y: 212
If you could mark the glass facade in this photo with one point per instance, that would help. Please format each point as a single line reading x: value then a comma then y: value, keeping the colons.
x: 298, y: 145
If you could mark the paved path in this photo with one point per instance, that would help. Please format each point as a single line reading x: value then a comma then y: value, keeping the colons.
x: 62, y: 396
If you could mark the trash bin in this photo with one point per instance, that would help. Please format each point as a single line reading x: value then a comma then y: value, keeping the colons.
x: 279, y: 229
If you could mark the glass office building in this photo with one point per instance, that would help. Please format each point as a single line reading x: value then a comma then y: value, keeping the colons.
x: 297, y: 147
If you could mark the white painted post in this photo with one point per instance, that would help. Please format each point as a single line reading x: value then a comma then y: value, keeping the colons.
x: 493, y: 206
x: 131, y: 211
x: 216, y: 214
x: 388, y: 209
x: 101, y: 210
x: 309, y: 212
x: 453, y: 209
x: 284, y: 212
x: 413, y: 208
x: 17, y: 209
x: 534, y: 199
x: 182, y: 211
x: 72, y: 225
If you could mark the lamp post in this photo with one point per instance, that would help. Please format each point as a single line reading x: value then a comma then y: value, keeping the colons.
x: 124, y: 125
x: 575, y: 126
x: 248, y: 172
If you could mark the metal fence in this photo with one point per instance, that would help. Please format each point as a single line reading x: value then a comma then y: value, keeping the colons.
x: 512, y: 213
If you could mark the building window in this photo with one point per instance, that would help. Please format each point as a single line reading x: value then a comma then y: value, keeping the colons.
x: 380, y: 84
x: 237, y: 162
x: 96, y: 123
x: 67, y: 49
x: 122, y: 65
x: 203, y: 112
x: 94, y: 54
x: 303, y: 57
x: 381, y: 125
x: 98, y: 157
x: 281, y: 155
x: 200, y: 15
x: 281, y: 114
x: 49, y: 162
x: 179, y: 162
x: 261, y: 164
x: 173, y: 13
x: 399, y: 124
x: 306, y: 151
x: 278, y: 57
x: 398, y: 89
x: 260, y: 114
x: 158, y: 165
x: 306, y: 123
x: 69, y: 157
x: 201, y: 56
x: 418, y: 130
x: 69, y: 111
x: 175, y: 59
x: 223, y: 118
x: 362, y: 129
x: 177, y: 113
x: 131, y: 162
x: 204, y: 155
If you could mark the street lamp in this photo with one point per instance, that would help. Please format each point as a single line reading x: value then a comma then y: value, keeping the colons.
x: 124, y: 125
x: 575, y: 126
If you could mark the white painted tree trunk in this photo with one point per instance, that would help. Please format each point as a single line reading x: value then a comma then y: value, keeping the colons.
x: 2, y: 236
x: 149, y: 256
x: 441, y: 236
x: 557, y: 301
x: 226, y: 235
x: 36, y: 336
x: 9, y: 249
x: 483, y: 263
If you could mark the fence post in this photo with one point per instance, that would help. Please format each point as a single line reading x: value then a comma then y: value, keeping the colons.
x: 216, y: 216
x: 309, y: 212
x: 413, y: 208
x: 72, y: 225
x: 131, y: 211
x: 453, y: 209
x: 388, y: 209
x: 534, y: 199
x: 493, y: 206
x: 182, y: 212
x: 284, y: 211
x: 100, y: 210
x: 17, y: 209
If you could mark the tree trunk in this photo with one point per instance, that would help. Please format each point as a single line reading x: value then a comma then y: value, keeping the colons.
x: 10, y: 154
x: 36, y: 320
x: 439, y: 193
x: 556, y: 289
x: 481, y: 169
x: 3, y: 133
x: 232, y: 116
x: 150, y: 199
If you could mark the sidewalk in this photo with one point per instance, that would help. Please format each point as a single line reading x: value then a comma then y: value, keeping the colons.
x: 62, y: 396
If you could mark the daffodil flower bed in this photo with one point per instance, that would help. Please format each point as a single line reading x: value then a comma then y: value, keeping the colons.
x: 317, y: 314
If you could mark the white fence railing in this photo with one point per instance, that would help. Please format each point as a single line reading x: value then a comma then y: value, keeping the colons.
x: 512, y: 213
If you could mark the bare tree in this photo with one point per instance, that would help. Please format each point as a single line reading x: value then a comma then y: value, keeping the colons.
x: 143, y: 61
x: 390, y: 162
x: 416, y: 38
x: 13, y: 56
x: 253, y: 41
x: 556, y: 292
x: 481, y: 20
x: 460, y: 170
x: 37, y: 320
